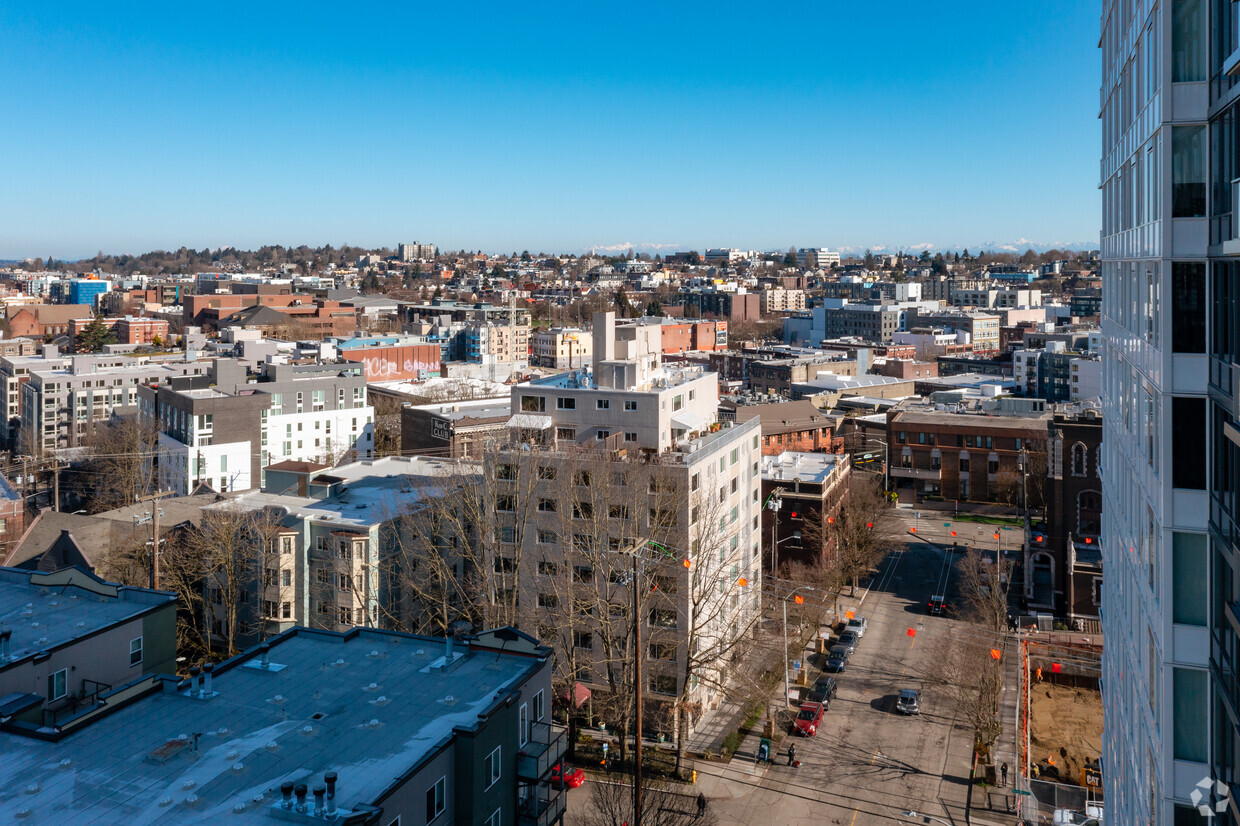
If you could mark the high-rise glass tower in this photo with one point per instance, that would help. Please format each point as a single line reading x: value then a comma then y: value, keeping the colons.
x: 1170, y: 434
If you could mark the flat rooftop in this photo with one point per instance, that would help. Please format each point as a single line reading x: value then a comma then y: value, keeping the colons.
x: 814, y: 468
x: 374, y: 491
x: 44, y: 612
x: 481, y: 409
x: 366, y: 704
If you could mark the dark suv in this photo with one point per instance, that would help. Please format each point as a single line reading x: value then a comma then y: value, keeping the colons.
x: 823, y: 691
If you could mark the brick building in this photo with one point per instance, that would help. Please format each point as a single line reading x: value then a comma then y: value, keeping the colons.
x: 140, y: 330
x: 907, y: 369
x: 1063, y: 568
x: 994, y: 454
x: 40, y: 320
x: 810, y: 488
x: 683, y: 336
x: 787, y: 426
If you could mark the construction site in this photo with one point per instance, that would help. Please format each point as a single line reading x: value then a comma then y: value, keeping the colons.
x: 1059, y: 725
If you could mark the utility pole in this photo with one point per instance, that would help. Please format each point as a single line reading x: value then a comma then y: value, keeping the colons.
x: 56, y: 484
x: 637, y: 699
x: 155, y: 538
x: 787, y: 688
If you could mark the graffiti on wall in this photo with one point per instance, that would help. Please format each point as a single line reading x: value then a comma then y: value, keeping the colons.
x: 396, y: 363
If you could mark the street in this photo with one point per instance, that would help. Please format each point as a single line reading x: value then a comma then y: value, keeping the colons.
x: 868, y: 763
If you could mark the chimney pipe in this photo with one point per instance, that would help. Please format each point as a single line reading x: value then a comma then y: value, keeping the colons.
x: 4, y: 644
x: 206, y: 670
x: 448, y: 640
x: 286, y: 790
x: 300, y: 790
x: 330, y: 780
x: 319, y: 793
x: 265, y: 650
x: 195, y: 676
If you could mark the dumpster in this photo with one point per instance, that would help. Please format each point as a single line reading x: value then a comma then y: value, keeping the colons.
x: 764, y: 750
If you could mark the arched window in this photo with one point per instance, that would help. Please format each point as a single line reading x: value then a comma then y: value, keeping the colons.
x: 1079, y: 462
x: 1088, y: 512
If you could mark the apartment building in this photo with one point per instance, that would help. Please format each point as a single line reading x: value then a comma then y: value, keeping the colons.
x: 415, y: 252
x: 1170, y: 693
x: 1056, y: 375
x: 817, y: 258
x: 993, y: 453
x: 797, y: 427
x: 361, y: 727
x: 779, y: 300
x: 489, y: 342
x: 996, y: 297
x: 983, y: 328
x: 224, y: 427
x: 810, y: 489
x: 456, y: 429
x: 14, y: 372
x: 560, y: 348
x: 61, y: 404
x: 617, y: 456
x: 69, y: 637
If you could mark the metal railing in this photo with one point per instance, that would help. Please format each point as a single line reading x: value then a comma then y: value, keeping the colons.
x: 544, y: 806
x: 543, y: 750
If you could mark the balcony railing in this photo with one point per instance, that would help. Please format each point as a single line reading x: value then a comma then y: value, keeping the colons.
x: 543, y: 807
x: 543, y: 750
x: 915, y: 473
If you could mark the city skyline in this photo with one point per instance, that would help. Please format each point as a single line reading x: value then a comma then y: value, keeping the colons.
x: 550, y: 130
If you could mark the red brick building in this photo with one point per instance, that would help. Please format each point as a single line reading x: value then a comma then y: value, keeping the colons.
x: 907, y: 369
x: 140, y: 330
x: 972, y: 456
x: 810, y: 488
x: 688, y: 336
x: 40, y: 320
x: 789, y: 426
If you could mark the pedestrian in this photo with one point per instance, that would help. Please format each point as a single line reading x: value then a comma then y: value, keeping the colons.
x: 701, y: 804
x: 1003, y: 773
x: 792, y: 754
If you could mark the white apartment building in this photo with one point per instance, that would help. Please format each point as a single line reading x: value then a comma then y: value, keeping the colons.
x: 415, y: 252
x: 225, y: 428
x: 627, y: 451
x: 561, y: 348
x: 1169, y: 722
x: 996, y: 297
x: 62, y: 402
x: 780, y: 300
x: 819, y: 258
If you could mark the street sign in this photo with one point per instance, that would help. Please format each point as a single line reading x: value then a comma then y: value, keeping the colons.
x: 796, y: 665
x: 947, y: 524
x: 1021, y: 791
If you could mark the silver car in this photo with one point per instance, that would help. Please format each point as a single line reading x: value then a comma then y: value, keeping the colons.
x: 909, y: 701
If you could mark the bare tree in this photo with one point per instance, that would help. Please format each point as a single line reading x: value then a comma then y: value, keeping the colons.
x: 663, y: 804
x: 971, y: 680
x: 120, y: 470
x: 865, y: 530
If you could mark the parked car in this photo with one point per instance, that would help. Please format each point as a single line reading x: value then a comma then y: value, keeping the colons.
x: 849, y: 640
x: 822, y: 692
x: 809, y: 718
x: 909, y: 701
x: 937, y: 605
x: 566, y: 777
x: 837, y: 658
x: 857, y: 625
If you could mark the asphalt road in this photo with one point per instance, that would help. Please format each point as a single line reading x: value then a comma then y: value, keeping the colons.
x: 869, y: 763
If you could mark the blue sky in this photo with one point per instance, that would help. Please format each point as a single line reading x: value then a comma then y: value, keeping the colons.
x: 547, y: 126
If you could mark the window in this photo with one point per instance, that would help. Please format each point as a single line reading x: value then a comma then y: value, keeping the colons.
x: 1188, y: 39
x: 602, y: 433
x: 992, y: 466
x: 567, y: 434
x: 135, y: 651
x: 57, y: 684
x: 533, y: 404
x: 1188, y: 425
x: 583, y: 510
x: 1188, y: 579
x: 495, y: 818
x: 504, y: 565
x: 630, y: 406
x: 1079, y: 460
x: 663, y: 684
x: 583, y: 639
x: 546, y: 472
x: 538, y: 706
x: 286, y: 610
x: 548, y: 601
x: 346, y: 616
x: 566, y: 404
x: 506, y: 502
x: 546, y: 568
x: 662, y: 651
x: 505, y: 473
x: 1188, y: 292
x: 618, y: 512
x: 436, y: 799
x: 630, y: 436
x: 583, y: 573
x: 1190, y: 697
x: 603, y: 404
x: 663, y: 617
x: 493, y: 767
x: 1188, y: 182
x: 964, y: 463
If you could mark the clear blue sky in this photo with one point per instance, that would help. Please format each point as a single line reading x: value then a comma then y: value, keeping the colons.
x: 546, y: 126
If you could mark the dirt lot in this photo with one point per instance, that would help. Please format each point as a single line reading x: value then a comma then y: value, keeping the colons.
x: 1067, y: 728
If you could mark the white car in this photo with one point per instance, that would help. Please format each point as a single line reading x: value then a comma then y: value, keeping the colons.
x: 857, y: 625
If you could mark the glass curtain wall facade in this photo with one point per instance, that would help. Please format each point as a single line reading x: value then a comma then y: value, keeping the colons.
x: 1165, y: 213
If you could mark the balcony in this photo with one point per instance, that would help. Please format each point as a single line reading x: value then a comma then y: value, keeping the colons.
x: 898, y: 472
x: 543, y: 807
x: 543, y: 750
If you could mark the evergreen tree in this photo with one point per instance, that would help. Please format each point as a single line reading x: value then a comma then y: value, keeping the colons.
x: 93, y: 336
x: 654, y: 308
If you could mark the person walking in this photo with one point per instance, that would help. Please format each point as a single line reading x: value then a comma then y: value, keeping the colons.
x: 1003, y: 773
x: 792, y: 754
x: 701, y: 804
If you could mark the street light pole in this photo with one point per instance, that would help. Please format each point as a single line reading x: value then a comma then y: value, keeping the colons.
x: 787, y: 689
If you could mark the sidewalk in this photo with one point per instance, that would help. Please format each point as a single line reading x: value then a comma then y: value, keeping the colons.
x: 998, y: 804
